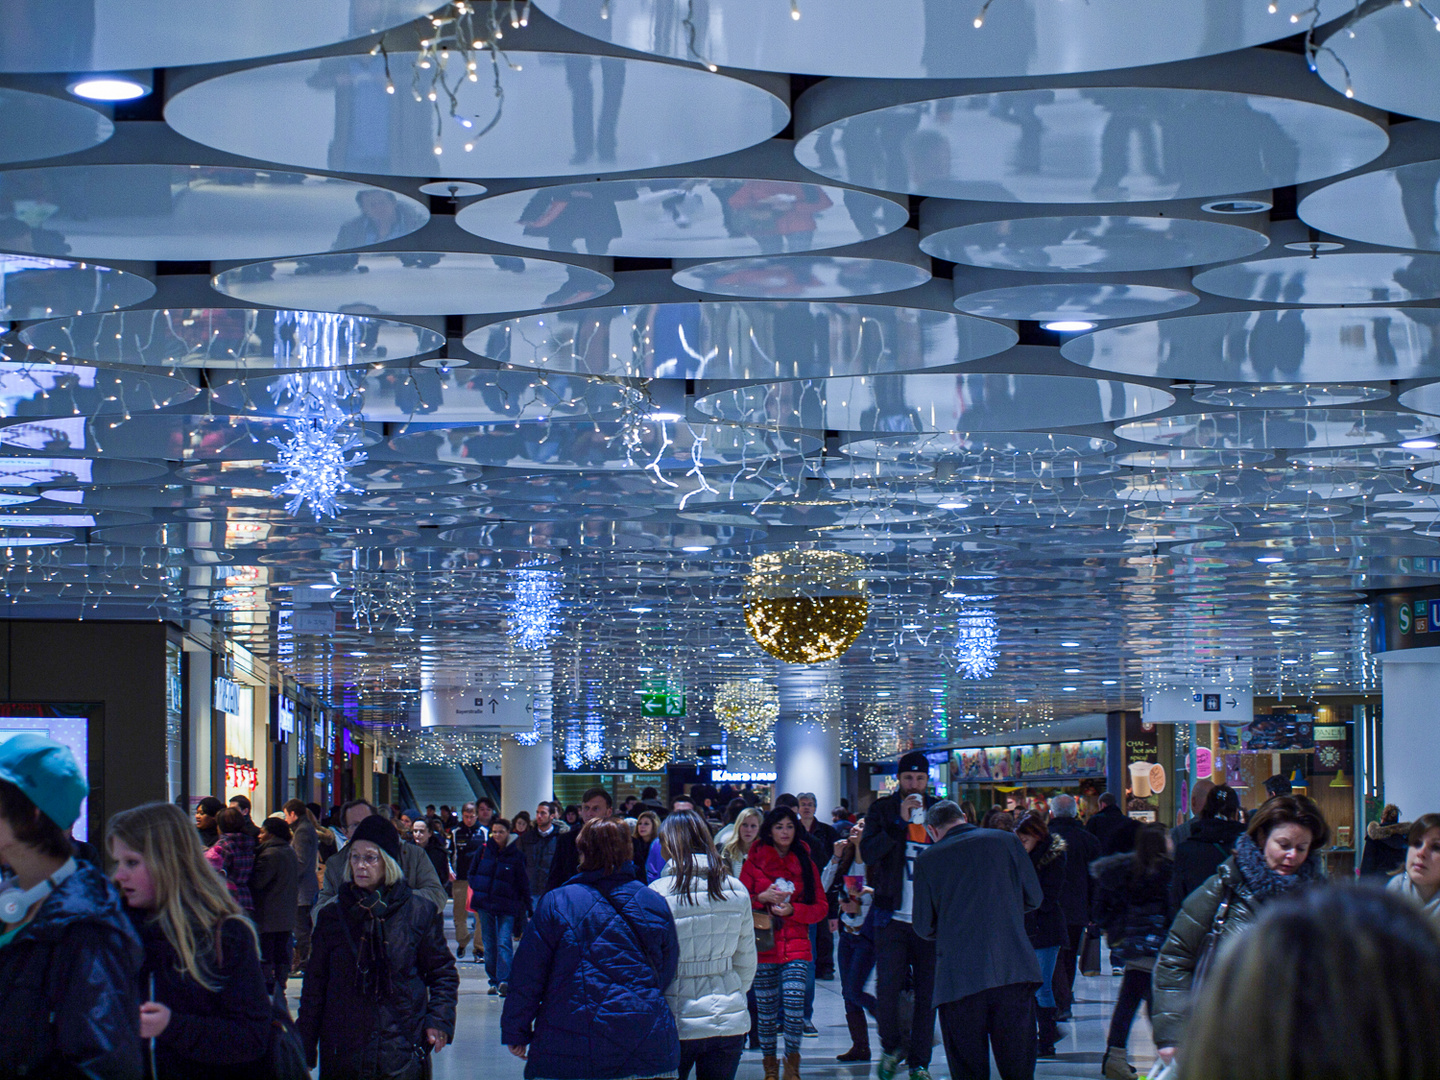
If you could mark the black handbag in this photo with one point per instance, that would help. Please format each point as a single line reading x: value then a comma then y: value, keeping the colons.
x: 1208, y: 947
x: 764, y: 931
x: 1089, y: 954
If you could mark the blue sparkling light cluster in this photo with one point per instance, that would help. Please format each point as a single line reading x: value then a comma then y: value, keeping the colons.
x: 536, y: 603
x: 316, y: 462
x: 976, y: 643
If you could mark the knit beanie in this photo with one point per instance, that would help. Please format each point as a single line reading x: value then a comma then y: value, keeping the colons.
x: 380, y: 833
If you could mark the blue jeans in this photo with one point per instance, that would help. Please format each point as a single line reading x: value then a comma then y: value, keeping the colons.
x: 1045, y: 995
x: 715, y: 1058
x: 496, y: 931
x: 857, y: 961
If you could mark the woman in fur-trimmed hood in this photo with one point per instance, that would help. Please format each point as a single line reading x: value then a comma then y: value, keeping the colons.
x: 1046, y: 924
x: 1385, y: 844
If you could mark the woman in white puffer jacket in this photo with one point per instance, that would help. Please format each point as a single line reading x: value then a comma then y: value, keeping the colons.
x: 717, y: 948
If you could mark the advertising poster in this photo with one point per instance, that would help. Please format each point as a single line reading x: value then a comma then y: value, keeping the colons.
x: 1279, y: 733
x: 999, y: 758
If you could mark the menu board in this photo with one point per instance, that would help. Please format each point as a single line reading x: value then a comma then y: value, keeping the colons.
x: 1032, y: 760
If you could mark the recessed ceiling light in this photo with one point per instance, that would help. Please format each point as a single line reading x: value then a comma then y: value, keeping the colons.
x: 952, y: 504
x: 321, y: 585
x: 1068, y: 326
x: 695, y: 549
x: 404, y: 629
x: 1067, y: 688
x: 882, y: 693
x: 726, y: 655
x: 1419, y: 444
x: 1022, y: 701
x: 1270, y: 559
x: 108, y: 88
x: 1330, y: 670
x: 640, y: 610
x: 1289, y: 661
x: 1072, y: 671
x: 1069, y: 644
x: 662, y: 417
x: 1108, y: 682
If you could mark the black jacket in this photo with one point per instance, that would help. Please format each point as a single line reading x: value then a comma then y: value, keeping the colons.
x: 356, y: 1035
x: 1385, y: 847
x: 1115, y: 831
x: 1134, y: 911
x: 275, y: 887
x: 1045, y: 926
x: 499, y: 882
x: 468, y: 841
x: 1200, y: 854
x: 440, y: 859
x: 1081, y: 849
x: 68, y: 1003
x: 882, y: 849
x: 213, y: 1034
x: 566, y: 863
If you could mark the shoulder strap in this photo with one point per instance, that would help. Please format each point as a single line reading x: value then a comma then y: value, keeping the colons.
x: 634, y: 931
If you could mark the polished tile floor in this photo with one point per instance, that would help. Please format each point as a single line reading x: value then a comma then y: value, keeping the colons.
x: 477, y: 1051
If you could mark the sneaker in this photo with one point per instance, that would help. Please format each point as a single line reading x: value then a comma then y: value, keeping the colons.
x: 889, y: 1064
x: 493, y: 990
x: 460, y: 953
x: 920, y: 1072
x: 811, y: 1031
x: 504, y: 989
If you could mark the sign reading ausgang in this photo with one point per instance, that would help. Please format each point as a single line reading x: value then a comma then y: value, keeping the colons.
x: 492, y: 708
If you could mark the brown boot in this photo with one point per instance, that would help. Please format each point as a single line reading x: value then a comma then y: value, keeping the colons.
x: 792, y: 1067
x: 772, y: 1067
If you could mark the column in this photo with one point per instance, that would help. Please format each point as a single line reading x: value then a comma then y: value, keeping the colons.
x: 527, y: 775
x: 1411, y: 684
x: 807, y: 752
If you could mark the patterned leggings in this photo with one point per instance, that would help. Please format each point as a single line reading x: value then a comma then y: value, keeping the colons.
x: 781, y: 987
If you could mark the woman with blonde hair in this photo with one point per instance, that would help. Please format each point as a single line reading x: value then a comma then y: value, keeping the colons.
x: 743, y: 833
x: 381, y: 986
x: 205, y: 1012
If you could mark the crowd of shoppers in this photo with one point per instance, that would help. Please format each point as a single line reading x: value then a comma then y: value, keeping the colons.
x: 674, y: 936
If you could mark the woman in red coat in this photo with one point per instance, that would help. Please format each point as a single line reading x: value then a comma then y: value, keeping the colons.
x: 783, y: 881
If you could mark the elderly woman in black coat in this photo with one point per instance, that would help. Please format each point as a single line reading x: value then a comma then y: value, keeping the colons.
x: 381, y: 986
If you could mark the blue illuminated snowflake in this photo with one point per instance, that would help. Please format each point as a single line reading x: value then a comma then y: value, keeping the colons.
x: 316, y: 462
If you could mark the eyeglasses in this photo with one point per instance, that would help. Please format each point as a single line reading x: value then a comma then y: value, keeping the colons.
x: 366, y: 858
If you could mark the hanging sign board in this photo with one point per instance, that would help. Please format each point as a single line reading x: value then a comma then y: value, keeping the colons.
x: 491, y: 708
x: 1202, y: 705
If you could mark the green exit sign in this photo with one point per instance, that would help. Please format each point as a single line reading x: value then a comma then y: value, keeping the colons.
x: 670, y: 702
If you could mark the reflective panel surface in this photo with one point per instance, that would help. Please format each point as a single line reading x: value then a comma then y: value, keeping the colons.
x: 231, y: 338
x: 1338, y: 277
x: 186, y: 212
x: 1104, y: 244
x: 1385, y: 58
x: 426, y: 395
x: 683, y: 217
x: 921, y: 403
x: 971, y: 447
x: 69, y: 390
x: 127, y: 35
x: 1281, y: 429
x: 1288, y: 395
x: 603, y: 446
x: 1393, y: 207
x: 165, y: 437
x: 930, y: 38
x: 784, y: 277
x: 40, y: 126
x: 1186, y: 458
x: 740, y: 340
x: 413, y: 283
x: 35, y: 287
x: 1088, y: 302
x: 1285, y: 346
x: 623, y: 114
x: 1006, y: 146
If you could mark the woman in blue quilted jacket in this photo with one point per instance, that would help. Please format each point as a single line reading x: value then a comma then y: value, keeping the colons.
x: 587, y: 986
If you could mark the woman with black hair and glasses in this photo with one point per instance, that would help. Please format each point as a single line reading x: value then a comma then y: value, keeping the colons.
x: 786, y: 897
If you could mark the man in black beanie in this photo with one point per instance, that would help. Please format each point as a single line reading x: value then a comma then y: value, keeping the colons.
x: 894, y: 838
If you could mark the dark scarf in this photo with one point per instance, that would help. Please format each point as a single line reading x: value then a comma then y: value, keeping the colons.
x: 363, y: 914
x: 1264, y: 883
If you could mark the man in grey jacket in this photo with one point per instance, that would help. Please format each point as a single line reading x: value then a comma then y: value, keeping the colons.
x: 972, y: 889
x: 419, y: 870
x: 306, y: 843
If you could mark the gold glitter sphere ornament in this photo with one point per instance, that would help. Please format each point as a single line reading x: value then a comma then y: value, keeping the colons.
x: 806, y: 607
x: 649, y: 751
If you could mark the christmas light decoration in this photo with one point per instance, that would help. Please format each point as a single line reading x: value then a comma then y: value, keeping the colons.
x: 746, y: 708
x: 536, y: 603
x: 649, y: 752
x: 806, y: 607
x: 316, y: 462
x: 976, y: 643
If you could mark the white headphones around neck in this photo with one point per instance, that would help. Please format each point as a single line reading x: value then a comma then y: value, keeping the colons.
x: 14, y: 901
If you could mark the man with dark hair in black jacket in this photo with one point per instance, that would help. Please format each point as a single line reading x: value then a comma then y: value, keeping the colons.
x: 1110, y: 825
x: 894, y: 838
x: 595, y: 804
